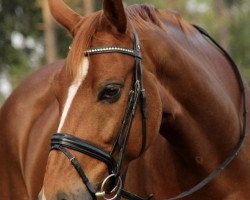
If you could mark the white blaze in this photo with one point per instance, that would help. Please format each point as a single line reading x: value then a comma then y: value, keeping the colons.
x: 41, y: 195
x: 82, y: 73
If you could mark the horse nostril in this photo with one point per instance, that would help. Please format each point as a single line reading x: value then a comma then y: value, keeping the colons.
x: 62, y: 196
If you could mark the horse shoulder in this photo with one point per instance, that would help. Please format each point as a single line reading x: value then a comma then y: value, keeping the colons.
x: 24, y: 128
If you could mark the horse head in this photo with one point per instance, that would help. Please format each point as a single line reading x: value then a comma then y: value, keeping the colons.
x: 101, y: 98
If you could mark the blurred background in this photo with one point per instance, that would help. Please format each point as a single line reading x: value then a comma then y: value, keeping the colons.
x: 29, y: 37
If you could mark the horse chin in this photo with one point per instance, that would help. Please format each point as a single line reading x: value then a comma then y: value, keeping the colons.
x: 79, y: 195
x: 82, y: 195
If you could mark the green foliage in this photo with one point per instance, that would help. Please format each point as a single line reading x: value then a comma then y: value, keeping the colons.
x: 156, y: 3
x: 63, y: 40
x: 240, y: 37
x: 20, y: 17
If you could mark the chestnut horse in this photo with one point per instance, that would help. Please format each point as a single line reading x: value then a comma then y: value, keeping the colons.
x: 169, y: 138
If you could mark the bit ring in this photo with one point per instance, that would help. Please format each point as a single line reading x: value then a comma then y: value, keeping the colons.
x: 102, y: 192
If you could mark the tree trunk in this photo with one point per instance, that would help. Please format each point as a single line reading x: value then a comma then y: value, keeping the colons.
x: 223, y: 16
x: 88, y: 6
x: 49, y: 33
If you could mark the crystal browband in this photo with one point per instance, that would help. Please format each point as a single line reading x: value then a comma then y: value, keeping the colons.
x: 112, y: 49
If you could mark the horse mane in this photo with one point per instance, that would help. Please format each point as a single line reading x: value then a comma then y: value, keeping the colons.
x: 142, y: 16
x: 82, y: 40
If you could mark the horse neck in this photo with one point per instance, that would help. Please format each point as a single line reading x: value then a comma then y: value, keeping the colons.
x: 201, y: 107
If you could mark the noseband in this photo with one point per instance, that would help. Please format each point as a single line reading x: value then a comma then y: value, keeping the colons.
x: 62, y: 142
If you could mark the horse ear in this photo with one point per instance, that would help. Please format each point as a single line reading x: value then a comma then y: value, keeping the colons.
x: 64, y: 15
x: 115, y: 13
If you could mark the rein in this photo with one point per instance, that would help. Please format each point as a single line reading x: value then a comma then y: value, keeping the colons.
x: 237, y: 148
x: 137, y: 93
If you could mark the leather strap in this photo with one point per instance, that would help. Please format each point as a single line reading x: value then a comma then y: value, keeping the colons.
x: 131, y: 196
x: 139, y: 76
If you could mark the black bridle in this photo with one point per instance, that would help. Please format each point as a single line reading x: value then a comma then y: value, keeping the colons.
x: 137, y: 93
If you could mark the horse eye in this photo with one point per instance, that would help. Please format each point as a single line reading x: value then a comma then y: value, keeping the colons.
x: 110, y: 93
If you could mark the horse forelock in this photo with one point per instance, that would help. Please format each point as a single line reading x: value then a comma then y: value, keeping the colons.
x: 82, y: 41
